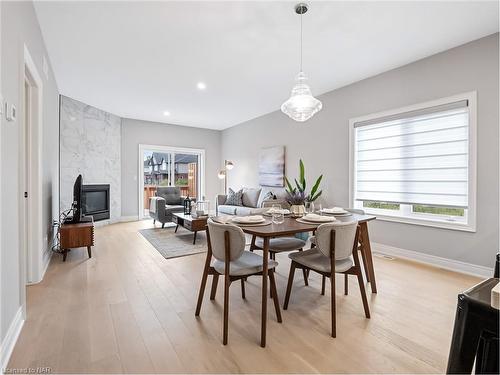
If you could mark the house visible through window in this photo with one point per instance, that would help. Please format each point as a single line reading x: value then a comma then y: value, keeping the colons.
x: 417, y: 164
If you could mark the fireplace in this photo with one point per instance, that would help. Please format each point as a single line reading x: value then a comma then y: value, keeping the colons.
x: 95, y: 201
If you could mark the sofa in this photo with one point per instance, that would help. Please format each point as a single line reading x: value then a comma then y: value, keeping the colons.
x: 168, y: 200
x: 255, y: 201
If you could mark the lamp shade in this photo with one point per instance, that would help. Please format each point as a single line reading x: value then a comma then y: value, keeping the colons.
x: 229, y: 165
x: 222, y: 174
x: 301, y: 105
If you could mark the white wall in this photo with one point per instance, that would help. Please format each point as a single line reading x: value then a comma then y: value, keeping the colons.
x: 135, y: 132
x: 90, y: 146
x: 323, y: 143
x: 19, y: 26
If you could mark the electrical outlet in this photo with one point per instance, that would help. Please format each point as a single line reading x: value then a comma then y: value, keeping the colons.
x: 10, y: 112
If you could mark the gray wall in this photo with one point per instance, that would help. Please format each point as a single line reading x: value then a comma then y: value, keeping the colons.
x: 19, y: 26
x: 323, y: 143
x: 90, y: 146
x: 135, y: 132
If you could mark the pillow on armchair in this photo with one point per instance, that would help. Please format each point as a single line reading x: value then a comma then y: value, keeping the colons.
x: 234, y: 198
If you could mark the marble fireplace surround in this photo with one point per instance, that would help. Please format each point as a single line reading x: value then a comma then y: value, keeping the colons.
x: 90, y: 145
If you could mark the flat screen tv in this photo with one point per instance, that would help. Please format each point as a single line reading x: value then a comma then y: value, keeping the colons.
x: 77, y: 200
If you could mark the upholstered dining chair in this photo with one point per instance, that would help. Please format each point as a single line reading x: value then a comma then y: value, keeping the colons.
x: 363, y: 257
x: 226, y: 243
x: 280, y: 245
x: 335, y: 252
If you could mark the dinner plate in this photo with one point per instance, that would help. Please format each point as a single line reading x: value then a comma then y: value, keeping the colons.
x: 335, y: 213
x: 318, y: 219
x: 246, y: 220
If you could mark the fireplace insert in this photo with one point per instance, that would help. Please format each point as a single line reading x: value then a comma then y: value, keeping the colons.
x: 95, y: 201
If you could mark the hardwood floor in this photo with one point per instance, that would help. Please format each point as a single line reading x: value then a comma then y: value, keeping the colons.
x: 127, y: 309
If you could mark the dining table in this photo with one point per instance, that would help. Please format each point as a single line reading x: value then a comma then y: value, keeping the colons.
x: 291, y: 227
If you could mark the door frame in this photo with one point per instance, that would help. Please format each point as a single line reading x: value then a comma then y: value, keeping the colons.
x: 166, y: 149
x: 31, y: 247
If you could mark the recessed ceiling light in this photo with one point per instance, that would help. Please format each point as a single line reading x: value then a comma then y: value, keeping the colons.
x: 166, y: 113
x: 201, y: 86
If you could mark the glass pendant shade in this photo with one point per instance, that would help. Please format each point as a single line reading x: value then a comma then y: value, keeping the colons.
x: 301, y: 105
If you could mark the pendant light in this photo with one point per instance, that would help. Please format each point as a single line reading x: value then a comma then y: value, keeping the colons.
x: 301, y: 105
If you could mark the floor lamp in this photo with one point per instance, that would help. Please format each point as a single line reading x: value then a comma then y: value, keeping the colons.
x: 228, y: 165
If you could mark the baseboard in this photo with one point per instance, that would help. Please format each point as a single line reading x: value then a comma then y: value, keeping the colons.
x: 11, y: 337
x: 125, y: 219
x: 448, y: 264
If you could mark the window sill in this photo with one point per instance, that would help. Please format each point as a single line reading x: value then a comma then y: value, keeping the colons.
x: 424, y: 222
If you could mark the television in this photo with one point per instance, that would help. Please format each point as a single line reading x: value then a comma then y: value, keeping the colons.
x: 78, y: 215
x: 77, y: 199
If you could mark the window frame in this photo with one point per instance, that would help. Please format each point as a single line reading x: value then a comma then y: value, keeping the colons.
x: 405, y: 215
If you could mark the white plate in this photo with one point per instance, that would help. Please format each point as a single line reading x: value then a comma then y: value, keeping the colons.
x: 326, y: 211
x: 318, y: 219
x: 248, y: 220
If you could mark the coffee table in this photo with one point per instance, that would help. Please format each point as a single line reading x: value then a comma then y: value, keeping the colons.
x: 193, y: 224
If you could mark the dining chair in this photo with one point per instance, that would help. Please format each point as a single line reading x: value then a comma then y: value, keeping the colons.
x: 280, y: 245
x: 226, y: 243
x: 335, y: 252
x: 363, y: 257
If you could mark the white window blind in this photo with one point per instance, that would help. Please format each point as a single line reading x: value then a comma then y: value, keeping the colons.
x: 418, y: 157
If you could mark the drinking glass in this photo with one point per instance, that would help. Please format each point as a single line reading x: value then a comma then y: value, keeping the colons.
x: 319, y: 208
x: 309, y: 207
x: 278, y: 217
x: 276, y: 207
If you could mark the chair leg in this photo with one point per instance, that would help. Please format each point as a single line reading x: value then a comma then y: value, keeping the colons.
x: 305, y: 274
x: 163, y: 225
x: 334, y: 311
x: 202, y: 291
x: 226, y: 309
x: 323, y: 281
x: 243, y: 288
x: 215, y: 281
x: 154, y: 221
x: 289, y: 286
x: 363, y: 293
x: 346, y: 284
x: 274, y: 294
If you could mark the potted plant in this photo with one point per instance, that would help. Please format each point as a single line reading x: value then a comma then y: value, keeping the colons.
x: 297, y: 195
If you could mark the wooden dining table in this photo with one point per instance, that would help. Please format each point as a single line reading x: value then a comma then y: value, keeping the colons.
x: 290, y: 227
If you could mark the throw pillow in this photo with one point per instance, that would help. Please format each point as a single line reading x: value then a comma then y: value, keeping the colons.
x: 251, y: 197
x: 234, y: 198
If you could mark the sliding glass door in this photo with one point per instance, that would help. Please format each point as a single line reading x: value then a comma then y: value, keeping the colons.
x: 167, y: 166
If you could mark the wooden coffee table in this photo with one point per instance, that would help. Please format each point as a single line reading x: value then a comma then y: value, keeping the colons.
x: 193, y: 224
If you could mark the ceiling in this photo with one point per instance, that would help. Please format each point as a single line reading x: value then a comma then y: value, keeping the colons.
x: 140, y: 59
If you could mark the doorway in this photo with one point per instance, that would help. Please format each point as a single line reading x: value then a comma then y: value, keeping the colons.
x: 30, y: 200
x: 169, y: 166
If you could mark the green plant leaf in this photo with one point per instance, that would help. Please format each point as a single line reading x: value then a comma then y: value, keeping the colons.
x: 302, y: 174
x: 316, y: 185
x: 299, y: 186
x: 313, y: 198
x: 289, y: 185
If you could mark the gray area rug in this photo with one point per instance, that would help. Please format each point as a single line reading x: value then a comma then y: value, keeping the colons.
x: 173, y: 245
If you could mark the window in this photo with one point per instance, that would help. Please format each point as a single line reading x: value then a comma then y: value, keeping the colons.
x: 417, y: 164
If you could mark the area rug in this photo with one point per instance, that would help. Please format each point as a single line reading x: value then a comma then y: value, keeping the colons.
x: 173, y: 245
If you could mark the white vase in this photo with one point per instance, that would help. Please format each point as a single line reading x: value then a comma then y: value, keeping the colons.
x: 297, y: 209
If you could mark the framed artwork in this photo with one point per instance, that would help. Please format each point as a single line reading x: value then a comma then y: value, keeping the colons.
x: 272, y: 166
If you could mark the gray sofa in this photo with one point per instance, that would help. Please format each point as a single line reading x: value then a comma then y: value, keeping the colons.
x: 167, y: 201
x: 255, y: 201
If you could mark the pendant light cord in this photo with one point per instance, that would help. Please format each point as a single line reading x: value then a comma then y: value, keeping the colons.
x: 301, y: 15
